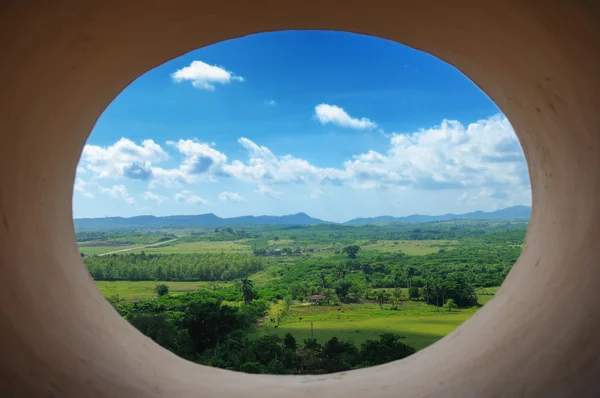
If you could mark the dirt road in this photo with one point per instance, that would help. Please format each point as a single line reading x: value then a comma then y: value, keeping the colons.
x: 137, y: 247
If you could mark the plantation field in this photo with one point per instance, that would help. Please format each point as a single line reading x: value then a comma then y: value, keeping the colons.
x: 199, y: 247
x: 420, y: 324
x: 145, y: 289
x: 410, y: 247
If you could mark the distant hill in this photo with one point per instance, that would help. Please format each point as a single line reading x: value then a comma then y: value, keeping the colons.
x: 200, y: 220
x: 211, y: 220
x: 510, y: 213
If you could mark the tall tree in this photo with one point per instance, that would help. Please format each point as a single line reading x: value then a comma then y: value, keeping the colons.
x: 367, y: 282
x: 380, y: 296
x: 340, y: 271
x: 247, y: 290
x: 351, y: 250
x: 161, y: 289
x: 323, y: 280
x: 410, y: 272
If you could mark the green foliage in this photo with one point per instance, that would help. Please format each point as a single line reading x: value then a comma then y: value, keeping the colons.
x: 388, y: 348
x: 450, y: 305
x: 413, y: 293
x: 161, y: 289
x: 289, y: 342
x: 191, y: 323
x: 211, y: 325
x: 123, y: 238
x: 269, y: 354
x: 247, y: 290
x: 351, y: 250
x: 381, y: 296
x: 173, y: 267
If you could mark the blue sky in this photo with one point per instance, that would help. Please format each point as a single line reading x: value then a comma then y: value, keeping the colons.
x: 333, y: 124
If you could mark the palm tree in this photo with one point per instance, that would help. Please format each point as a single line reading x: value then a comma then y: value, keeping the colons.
x: 410, y: 271
x: 367, y: 281
x: 247, y: 290
x: 380, y: 296
x: 323, y: 281
x: 340, y: 271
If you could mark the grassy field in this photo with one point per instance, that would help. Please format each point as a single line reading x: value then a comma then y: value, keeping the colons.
x: 410, y: 247
x: 199, y: 247
x: 145, y: 289
x: 91, y: 250
x: 420, y: 324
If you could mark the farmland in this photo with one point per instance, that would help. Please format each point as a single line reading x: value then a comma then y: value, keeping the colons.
x: 135, y: 290
x: 401, y: 285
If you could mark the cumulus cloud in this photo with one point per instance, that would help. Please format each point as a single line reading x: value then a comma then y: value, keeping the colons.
x: 263, y: 166
x: 201, y: 163
x: 231, y: 197
x: 270, y: 102
x: 451, y: 156
x: 189, y: 198
x: 155, y: 197
x: 80, y: 186
x: 201, y: 158
x: 334, y: 114
x: 268, y: 191
x: 205, y: 76
x: 123, y: 158
x: 118, y: 192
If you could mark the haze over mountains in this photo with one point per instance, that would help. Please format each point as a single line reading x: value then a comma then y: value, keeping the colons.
x: 210, y: 220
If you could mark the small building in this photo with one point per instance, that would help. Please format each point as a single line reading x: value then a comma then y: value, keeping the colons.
x: 316, y: 299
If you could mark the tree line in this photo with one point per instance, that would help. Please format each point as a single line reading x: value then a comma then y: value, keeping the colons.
x: 172, y: 267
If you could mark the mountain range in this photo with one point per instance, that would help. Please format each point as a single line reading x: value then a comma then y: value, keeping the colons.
x: 509, y: 213
x: 210, y: 220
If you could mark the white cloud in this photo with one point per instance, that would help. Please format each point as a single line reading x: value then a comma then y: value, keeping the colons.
x: 268, y: 191
x: 80, y: 186
x: 316, y: 193
x: 445, y: 157
x: 155, y: 197
x: 264, y: 166
x: 482, y: 155
x: 118, y: 192
x: 124, y: 158
x: 270, y: 102
x: 201, y: 158
x: 205, y: 76
x: 201, y: 163
x: 334, y: 114
x: 231, y: 196
x: 189, y: 198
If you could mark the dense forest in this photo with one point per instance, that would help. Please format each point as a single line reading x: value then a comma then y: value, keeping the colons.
x: 172, y: 267
x: 201, y: 327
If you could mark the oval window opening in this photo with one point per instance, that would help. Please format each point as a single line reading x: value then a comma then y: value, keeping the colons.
x: 300, y: 202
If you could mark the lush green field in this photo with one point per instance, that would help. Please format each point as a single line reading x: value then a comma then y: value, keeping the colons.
x: 420, y: 324
x: 145, y: 289
x: 199, y: 247
x: 91, y: 250
x: 410, y: 247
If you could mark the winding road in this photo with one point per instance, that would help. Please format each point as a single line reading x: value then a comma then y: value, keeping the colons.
x: 137, y: 247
